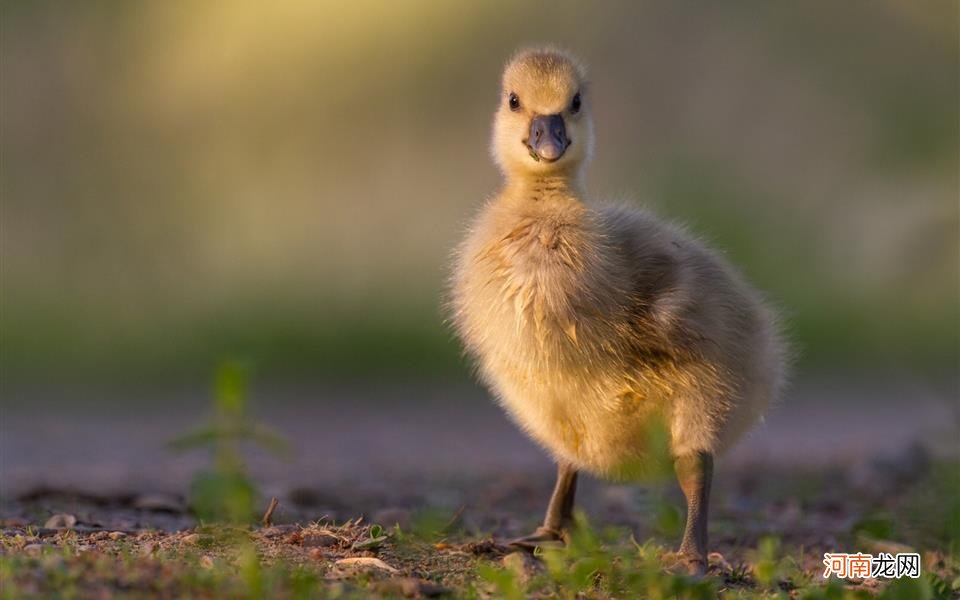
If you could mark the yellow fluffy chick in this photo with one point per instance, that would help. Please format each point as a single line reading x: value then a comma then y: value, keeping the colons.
x: 588, y: 320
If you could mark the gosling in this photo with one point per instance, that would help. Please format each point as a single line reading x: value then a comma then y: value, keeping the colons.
x: 588, y: 321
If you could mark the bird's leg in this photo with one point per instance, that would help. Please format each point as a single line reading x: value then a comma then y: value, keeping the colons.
x: 694, y: 472
x: 559, y: 511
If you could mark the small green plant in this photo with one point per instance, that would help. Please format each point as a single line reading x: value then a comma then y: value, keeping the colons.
x: 225, y: 493
x: 767, y: 563
x: 376, y: 536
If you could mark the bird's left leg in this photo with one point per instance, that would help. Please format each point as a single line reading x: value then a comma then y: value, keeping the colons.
x: 559, y: 511
x: 695, y: 472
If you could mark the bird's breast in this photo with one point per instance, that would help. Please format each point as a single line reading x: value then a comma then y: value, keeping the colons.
x: 537, y: 284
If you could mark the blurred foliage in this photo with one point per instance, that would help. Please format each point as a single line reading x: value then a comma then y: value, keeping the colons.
x: 225, y: 492
x: 656, y: 465
x: 182, y: 182
x: 432, y: 523
x: 766, y: 561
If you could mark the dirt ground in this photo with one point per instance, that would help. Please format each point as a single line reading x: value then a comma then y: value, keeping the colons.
x: 438, y: 478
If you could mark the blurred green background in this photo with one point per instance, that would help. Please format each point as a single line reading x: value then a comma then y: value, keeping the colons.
x: 186, y: 181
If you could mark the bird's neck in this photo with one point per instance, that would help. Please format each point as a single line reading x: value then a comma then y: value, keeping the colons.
x: 531, y: 187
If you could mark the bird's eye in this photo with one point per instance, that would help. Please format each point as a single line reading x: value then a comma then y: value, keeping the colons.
x: 575, y: 104
x: 514, y: 102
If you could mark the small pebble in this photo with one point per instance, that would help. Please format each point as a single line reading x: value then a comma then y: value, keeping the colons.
x: 61, y: 521
x: 363, y: 563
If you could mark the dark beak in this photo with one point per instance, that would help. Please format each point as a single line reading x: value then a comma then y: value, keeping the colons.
x: 548, y: 138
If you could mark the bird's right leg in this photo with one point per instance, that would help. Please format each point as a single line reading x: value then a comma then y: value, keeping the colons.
x: 695, y: 472
x: 559, y: 511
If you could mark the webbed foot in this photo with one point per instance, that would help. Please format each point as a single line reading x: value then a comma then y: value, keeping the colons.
x: 685, y: 563
x: 543, y: 537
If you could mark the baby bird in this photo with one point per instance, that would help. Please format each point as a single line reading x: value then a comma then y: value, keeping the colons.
x: 588, y: 321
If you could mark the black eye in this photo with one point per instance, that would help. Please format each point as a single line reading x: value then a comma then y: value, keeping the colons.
x: 575, y: 105
x: 514, y: 102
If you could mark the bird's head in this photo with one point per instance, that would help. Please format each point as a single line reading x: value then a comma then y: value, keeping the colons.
x: 542, y: 124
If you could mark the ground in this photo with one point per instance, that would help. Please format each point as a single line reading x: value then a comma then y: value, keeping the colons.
x: 419, y: 497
